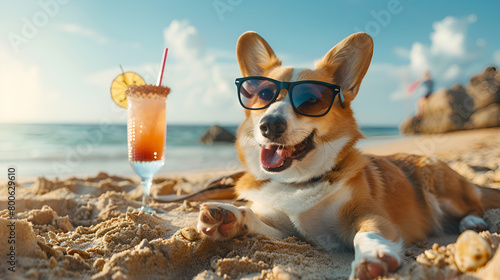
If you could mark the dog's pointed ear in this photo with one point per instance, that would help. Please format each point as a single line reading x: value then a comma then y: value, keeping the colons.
x: 254, y: 54
x: 348, y: 62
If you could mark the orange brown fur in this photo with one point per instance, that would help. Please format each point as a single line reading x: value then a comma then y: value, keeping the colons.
x: 381, y: 186
x: 328, y: 192
x: 385, y: 185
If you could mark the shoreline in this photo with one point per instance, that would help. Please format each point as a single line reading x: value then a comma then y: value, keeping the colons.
x: 86, y: 167
x: 53, y: 150
x: 440, y: 145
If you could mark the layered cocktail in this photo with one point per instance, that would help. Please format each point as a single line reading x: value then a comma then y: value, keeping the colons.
x: 146, y: 127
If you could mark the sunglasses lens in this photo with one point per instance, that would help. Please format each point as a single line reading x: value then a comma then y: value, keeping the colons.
x: 312, y: 99
x: 256, y: 93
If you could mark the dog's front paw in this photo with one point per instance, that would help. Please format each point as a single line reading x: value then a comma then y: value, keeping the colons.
x: 374, y: 256
x: 222, y: 221
x: 371, y: 267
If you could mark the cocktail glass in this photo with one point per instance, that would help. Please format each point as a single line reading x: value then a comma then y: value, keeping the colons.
x: 146, y: 133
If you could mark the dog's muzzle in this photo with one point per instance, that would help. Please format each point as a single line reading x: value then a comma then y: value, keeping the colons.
x: 273, y: 127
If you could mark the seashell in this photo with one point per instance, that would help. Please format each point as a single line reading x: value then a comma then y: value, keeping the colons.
x: 471, y: 251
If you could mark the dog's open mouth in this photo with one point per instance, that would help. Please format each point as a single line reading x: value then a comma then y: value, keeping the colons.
x: 276, y: 158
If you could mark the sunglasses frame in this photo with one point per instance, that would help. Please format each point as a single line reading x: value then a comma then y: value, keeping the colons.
x: 289, y: 87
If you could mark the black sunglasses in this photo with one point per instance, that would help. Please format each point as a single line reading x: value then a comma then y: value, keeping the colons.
x: 308, y: 98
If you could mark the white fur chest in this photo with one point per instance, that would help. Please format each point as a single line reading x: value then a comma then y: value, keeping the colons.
x: 291, y: 199
x: 296, y: 199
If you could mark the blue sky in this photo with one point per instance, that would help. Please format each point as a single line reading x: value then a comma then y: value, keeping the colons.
x: 58, y: 57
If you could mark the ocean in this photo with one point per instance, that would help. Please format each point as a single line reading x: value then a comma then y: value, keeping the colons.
x: 64, y: 150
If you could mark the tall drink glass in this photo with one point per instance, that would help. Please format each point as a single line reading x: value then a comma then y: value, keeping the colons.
x: 146, y: 133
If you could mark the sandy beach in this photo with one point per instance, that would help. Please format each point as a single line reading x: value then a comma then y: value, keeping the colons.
x: 89, y: 228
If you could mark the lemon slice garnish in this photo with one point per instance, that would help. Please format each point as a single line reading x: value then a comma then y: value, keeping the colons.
x: 120, y: 83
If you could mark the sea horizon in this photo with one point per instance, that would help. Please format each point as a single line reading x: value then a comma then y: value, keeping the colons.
x: 64, y: 149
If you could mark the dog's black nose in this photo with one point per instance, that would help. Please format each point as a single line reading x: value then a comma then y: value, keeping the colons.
x: 272, y: 127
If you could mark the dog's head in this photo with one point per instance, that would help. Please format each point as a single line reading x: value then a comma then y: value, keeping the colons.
x: 296, y: 138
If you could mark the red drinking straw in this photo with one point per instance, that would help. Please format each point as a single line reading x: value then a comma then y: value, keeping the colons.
x: 160, y: 75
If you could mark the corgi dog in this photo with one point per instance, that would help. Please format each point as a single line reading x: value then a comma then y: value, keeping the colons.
x: 306, y: 178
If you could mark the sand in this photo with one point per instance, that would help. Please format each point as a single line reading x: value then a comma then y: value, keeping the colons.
x: 89, y: 228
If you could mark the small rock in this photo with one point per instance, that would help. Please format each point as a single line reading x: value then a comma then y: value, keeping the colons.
x: 472, y: 251
x: 217, y: 134
x: 190, y: 234
x: 213, y: 262
x: 144, y: 244
x: 422, y: 244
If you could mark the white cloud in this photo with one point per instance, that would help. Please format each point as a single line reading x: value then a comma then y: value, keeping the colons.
x: 24, y: 98
x: 184, y: 39
x: 419, y: 55
x: 86, y: 32
x: 200, y: 75
x: 402, y: 52
x: 448, y: 57
x: 452, y: 72
x: 449, y: 36
x: 472, y: 18
x: 496, y: 57
x: 202, y: 80
x: 481, y: 42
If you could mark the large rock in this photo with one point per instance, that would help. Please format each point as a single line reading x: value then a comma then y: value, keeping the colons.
x: 217, y: 134
x: 458, y: 108
x: 446, y: 110
x: 488, y: 116
x: 484, y: 88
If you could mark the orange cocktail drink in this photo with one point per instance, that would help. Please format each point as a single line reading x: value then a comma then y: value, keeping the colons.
x: 146, y: 127
x: 146, y: 131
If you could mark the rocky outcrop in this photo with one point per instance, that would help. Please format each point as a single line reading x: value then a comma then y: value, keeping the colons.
x: 217, y: 134
x: 459, y: 108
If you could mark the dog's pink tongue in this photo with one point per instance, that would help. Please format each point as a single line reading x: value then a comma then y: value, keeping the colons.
x: 271, y: 156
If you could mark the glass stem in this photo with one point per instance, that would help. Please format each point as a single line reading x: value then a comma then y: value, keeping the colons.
x: 146, y: 189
